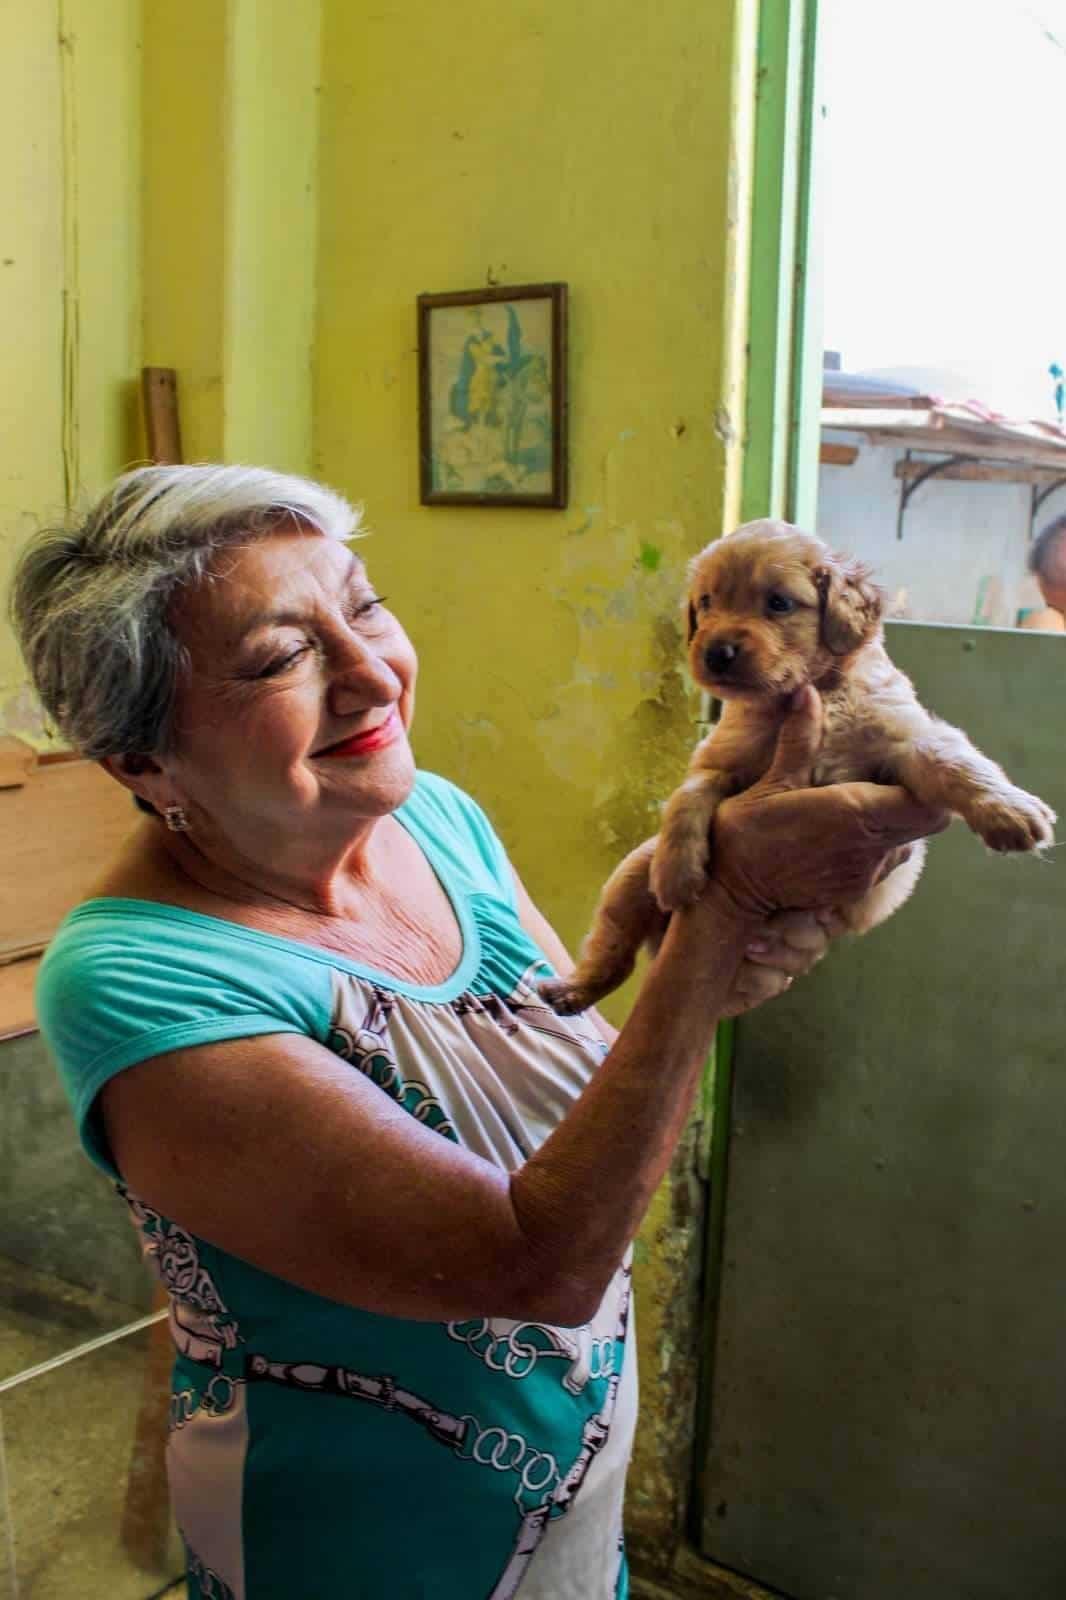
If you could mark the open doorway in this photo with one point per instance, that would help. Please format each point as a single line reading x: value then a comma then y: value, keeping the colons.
x: 943, y: 450
x: 884, y: 1405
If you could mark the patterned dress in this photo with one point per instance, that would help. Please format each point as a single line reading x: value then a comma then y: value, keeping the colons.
x: 317, y: 1451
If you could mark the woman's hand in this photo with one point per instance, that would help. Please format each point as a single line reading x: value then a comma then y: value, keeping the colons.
x: 783, y: 845
x: 789, y: 944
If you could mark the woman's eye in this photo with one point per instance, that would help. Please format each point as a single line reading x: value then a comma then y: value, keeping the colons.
x: 780, y: 603
x: 281, y: 664
x: 367, y: 610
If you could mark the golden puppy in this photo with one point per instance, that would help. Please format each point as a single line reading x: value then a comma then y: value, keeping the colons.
x: 769, y: 610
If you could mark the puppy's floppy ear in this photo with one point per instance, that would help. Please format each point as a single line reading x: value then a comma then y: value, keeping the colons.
x: 848, y: 602
x: 691, y: 621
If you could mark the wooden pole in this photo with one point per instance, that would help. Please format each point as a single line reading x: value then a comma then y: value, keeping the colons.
x: 159, y: 392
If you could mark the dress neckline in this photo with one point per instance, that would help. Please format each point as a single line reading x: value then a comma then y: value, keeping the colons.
x: 451, y: 987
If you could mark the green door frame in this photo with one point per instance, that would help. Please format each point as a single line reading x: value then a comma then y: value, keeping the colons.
x: 785, y: 323
x: 780, y: 470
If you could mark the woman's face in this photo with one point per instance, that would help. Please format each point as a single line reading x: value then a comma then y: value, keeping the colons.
x: 294, y: 712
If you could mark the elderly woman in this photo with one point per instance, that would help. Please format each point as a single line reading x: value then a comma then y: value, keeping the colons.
x: 389, y: 1194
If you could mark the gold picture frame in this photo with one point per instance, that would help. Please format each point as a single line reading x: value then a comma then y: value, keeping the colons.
x: 493, y: 396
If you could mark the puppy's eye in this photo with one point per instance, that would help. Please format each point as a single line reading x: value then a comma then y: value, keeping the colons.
x: 705, y: 602
x: 780, y: 604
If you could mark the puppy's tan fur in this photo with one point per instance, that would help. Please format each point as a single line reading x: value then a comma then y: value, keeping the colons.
x: 770, y: 609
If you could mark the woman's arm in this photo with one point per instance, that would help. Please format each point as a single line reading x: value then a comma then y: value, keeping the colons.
x: 277, y: 1151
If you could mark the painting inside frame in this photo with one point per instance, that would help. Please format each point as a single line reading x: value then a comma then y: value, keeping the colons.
x: 493, y: 396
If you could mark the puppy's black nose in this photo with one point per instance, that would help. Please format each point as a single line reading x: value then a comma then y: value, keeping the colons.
x: 720, y: 657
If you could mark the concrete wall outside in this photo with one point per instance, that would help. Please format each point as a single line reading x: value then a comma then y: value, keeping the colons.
x: 964, y: 549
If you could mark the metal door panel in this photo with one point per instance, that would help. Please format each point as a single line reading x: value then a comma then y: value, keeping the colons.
x: 888, y: 1404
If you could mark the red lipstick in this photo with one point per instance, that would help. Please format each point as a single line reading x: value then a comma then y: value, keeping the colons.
x: 364, y: 744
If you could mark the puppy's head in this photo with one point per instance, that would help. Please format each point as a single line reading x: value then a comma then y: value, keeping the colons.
x: 771, y: 608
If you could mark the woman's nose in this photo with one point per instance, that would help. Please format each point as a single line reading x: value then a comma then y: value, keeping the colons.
x: 360, y: 677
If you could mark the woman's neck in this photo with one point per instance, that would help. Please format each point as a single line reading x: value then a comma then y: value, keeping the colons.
x: 336, y: 887
x: 177, y: 866
x: 390, y: 912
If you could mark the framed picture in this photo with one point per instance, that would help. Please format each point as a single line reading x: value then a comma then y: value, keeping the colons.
x: 492, y: 396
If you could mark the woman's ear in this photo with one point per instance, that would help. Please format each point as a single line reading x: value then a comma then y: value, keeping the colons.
x: 849, y: 604
x: 143, y: 776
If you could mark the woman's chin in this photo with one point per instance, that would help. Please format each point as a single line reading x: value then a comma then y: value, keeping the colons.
x: 371, y: 787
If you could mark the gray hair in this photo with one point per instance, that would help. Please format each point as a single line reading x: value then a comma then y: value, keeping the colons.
x: 1047, y: 554
x: 90, y: 601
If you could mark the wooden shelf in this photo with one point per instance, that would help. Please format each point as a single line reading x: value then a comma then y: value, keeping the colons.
x: 16, y: 998
x: 832, y: 454
x: 932, y: 431
x: 983, y: 472
x: 59, y: 829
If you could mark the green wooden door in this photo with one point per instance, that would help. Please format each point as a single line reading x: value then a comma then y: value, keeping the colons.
x: 887, y: 1406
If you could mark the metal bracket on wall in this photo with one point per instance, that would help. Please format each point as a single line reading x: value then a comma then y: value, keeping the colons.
x: 1037, y: 495
x: 908, y: 485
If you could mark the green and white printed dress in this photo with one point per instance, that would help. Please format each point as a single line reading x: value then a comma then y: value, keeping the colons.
x: 318, y: 1452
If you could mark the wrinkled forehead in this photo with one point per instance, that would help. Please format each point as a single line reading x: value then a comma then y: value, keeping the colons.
x: 251, y: 584
x: 747, y: 564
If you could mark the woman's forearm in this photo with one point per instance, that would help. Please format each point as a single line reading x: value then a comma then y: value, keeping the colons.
x: 580, y: 1199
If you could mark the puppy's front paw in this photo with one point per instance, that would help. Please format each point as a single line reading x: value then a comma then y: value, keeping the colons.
x: 1011, y: 819
x: 678, y: 875
x: 565, y: 998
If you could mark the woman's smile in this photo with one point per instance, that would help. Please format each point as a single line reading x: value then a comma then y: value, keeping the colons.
x: 365, y: 743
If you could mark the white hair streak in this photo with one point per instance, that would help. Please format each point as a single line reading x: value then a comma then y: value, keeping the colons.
x: 90, y: 599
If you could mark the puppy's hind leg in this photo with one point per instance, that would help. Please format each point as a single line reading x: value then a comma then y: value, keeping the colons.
x: 626, y: 917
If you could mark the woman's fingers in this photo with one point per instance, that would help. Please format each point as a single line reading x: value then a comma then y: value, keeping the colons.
x: 797, y: 742
x: 790, y: 941
x: 893, y: 814
x: 753, y: 986
x: 776, y: 847
x: 801, y: 929
x: 783, y: 958
x: 895, y: 858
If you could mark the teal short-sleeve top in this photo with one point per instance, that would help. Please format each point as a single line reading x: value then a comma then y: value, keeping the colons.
x: 317, y: 1450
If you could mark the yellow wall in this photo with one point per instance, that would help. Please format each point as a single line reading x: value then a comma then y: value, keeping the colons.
x: 608, y: 146
x: 69, y: 270
x: 157, y: 206
x: 183, y: 145
x: 230, y: 148
x: 588, y: 143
